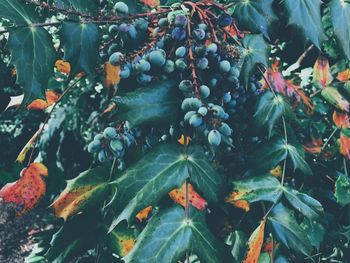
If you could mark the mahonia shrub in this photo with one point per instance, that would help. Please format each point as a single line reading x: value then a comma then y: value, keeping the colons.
x: 179, y: 131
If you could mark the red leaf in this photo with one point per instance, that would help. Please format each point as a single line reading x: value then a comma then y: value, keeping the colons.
x: 179, y: 196
x: 341, y: 120
x: 26, y: 192
x: 345, y: 145
x: 151, y: 3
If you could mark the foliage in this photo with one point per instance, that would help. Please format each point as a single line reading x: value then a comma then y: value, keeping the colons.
x: 179, y: 131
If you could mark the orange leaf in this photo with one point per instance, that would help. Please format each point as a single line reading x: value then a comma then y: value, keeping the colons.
x: 143, y: 214
x: 51, y: 98
x: 151, y: 3
x: 63, y: 66
x: 25, y: 193
x: 341, y: 120
x: 182, y: 140
x: 179, y: 196
x: 344, y: 76
x: 22, y: 155
x: 111, y: 75
x: 235, y: 199
x: 299, y: 94
x: 345, y: 145
x: 322, y: 72
x: 254, y: 244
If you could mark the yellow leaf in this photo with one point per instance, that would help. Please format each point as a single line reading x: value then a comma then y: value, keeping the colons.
x: 322, y: 72
x: 277, y: 171
x: 111, y: 75
x: 254, y: 244
x: 22, y: 155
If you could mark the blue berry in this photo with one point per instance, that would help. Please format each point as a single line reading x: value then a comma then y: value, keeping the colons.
x: 121, y: 7
x: 116, y: 58
x: 205, y: 91
x: 156, y: 58
x: 110, y: 133
x: 178, y: 33
x: 214, y: 138
x: 180, y: 20
x: 180, y: 52
x: 224, y: 66
x: 225, y: 20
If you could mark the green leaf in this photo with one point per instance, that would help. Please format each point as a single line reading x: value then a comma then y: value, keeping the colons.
x: 305, y: 15
x: 268, y: 188
x: 168, y: 237
x: 74, y: 238
x: 256, y: 51
x: 342, y: 190
x: 254, y: 15
x: 288, y: 231
x: 83, y: 6
x: 154, y: 104
x: 315, y: 232
x: 297, y: 155
x: 303, y: 203
x: 268, y: 155
x: 163, y: 169
x: 80, y: 43
x: 87, y: 190
x: 17, y: 12
x: 33, y: 55
x: 340, y: 17
x: 258, y: 188
x: 272, y: 152
x: 270, y: 109
x: 237, y: 241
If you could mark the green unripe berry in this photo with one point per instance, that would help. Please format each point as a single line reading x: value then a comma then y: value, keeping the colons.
x: 121, y: 7
x: 196, y: 120
x: 163, y: 22
x: 116, y: 145
x: 98, y: 137
x: 205, y: 91
x: 225, y: 129
x: 94, y: 146
x: 188, y: 115
x: 234, y: 72
x: 116, y: 58
x: 224, y: 66
x: 191, y: 104
x: 214, y: 138
x: 217, y: 110
x: 110, y: 133
x: 102, y: 156
x: 169, y: 66
x: 143, y: 66
x: 156, y: 58
x: 185, y: 85
x: 180, y: 52
x: 212, y: 48
x: 180, y: 64
x: 203, y: 111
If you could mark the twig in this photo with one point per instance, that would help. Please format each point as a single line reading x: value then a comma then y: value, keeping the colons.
x: 48, y: 117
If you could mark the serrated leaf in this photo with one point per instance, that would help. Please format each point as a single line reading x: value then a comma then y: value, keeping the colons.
x: 268, y: 188
x: 171, y: 237
x: 17, y: 12
x: 270, y: 109
x: 121, y: 240
x: 306, y: 16
x: 154, y: 104
x: 342, y: 190
x: 303, y: 203
x: 83, y: 6
x: 163, y: 169
x: 272, y: 152
x: 33, y: 55
x: 256, y: 51
x: 340, y: 17
x: 86, y: 190
x: 255, y: 15
x: 254, y: 244
x: 259, y: 188
x: 288, y: 231
x: 80, y: 42
x: 25, y: 193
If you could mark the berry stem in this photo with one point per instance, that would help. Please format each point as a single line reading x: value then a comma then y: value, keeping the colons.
x: 191, y: 59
